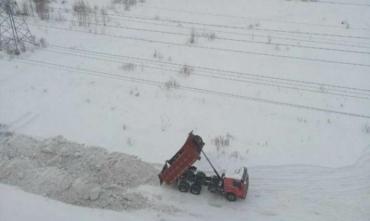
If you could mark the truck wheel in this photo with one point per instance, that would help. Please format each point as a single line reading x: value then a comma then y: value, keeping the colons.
x: 200, y: 177
x: 191, y: 177
x: 195, y: 189
x: 184, y: 187
x: 231, y: 197
x: 200, y: 174
x: 212, y: 188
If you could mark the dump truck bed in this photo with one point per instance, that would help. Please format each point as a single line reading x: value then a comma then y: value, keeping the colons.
x: 182, y: 160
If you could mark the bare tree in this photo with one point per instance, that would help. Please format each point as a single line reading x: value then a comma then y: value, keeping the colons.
x: 82, y: 11
x: 24, y: 9
x: 127, y: 3
x: 192, y: 38
x: 42, y: 8
x: 104, y: 16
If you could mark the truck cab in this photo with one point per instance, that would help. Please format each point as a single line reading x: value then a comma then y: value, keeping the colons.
x: 236, y: 188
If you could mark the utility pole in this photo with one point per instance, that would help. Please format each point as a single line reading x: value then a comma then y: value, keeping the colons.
x: 14, y: 31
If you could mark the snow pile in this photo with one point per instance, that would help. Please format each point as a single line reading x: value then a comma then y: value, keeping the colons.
x: 74, y: 173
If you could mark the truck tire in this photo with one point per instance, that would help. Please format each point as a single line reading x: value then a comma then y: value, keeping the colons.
x: 190, y: 176
x: 200, y: 177
x: 231, y: 197
x: 183, y: 186
x: 201, y: 174
x: 195, y: 189
x: 212, y: 188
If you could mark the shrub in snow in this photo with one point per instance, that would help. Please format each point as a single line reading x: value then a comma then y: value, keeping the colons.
x: 269, y: 39
x: 345, y: 24
x: 104, y: 16
x: 222, y: 141
x: 135, y: 92
x: 235, y: 155
x: 59, y: 15
x: 127, y: 3
x: 366, y: 129
x: 157, y: 54
x: 209, y: 35
x: 171, y: 84
x: 43, y: 43
x: 129, y: 141
x: 192, y: 37
x: 42, y: 9
x: 82, y: 11
x: 302, y: 120
x: 186, y: 70
x: 129, y: 66
x: 25, y: 9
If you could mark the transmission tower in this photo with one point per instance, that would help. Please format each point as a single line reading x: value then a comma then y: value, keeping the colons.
x: 14, y: 31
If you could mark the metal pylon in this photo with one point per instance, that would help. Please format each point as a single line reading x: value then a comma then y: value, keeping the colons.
x: 14, y: 31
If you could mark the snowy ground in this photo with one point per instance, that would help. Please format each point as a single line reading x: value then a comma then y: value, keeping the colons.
x: 276, y: 192
x: 286, y: 83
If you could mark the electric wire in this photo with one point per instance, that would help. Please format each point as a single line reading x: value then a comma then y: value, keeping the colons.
x: 185, y: 88
x: 237, y: 51
x: 222, y: 76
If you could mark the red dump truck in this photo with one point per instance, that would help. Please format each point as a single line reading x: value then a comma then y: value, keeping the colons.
x: 179, y: 171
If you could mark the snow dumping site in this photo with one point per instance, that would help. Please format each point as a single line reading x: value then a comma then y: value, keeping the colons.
x: 96, y: 95
x: 73, y: 173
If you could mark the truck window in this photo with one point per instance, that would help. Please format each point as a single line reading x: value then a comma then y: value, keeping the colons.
x: 237, y: 183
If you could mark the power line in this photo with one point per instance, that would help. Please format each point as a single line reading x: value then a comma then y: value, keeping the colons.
x: 243, y: 28
x: 252, y: 35
x: 274, y: 20
x: 150, y: 21
x: 343, y: 3
x: 240, y: 79
x: 231, y: 39
x: 221, y: 77
x: 235, y: 26
x: 237, y: 51
x: 209, y: 69
x: 187, y: 88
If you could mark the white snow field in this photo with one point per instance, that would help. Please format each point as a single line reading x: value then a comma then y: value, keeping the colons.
x: 282, y: 87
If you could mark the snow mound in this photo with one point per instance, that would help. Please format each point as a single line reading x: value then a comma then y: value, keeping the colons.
x: 74, y: 173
